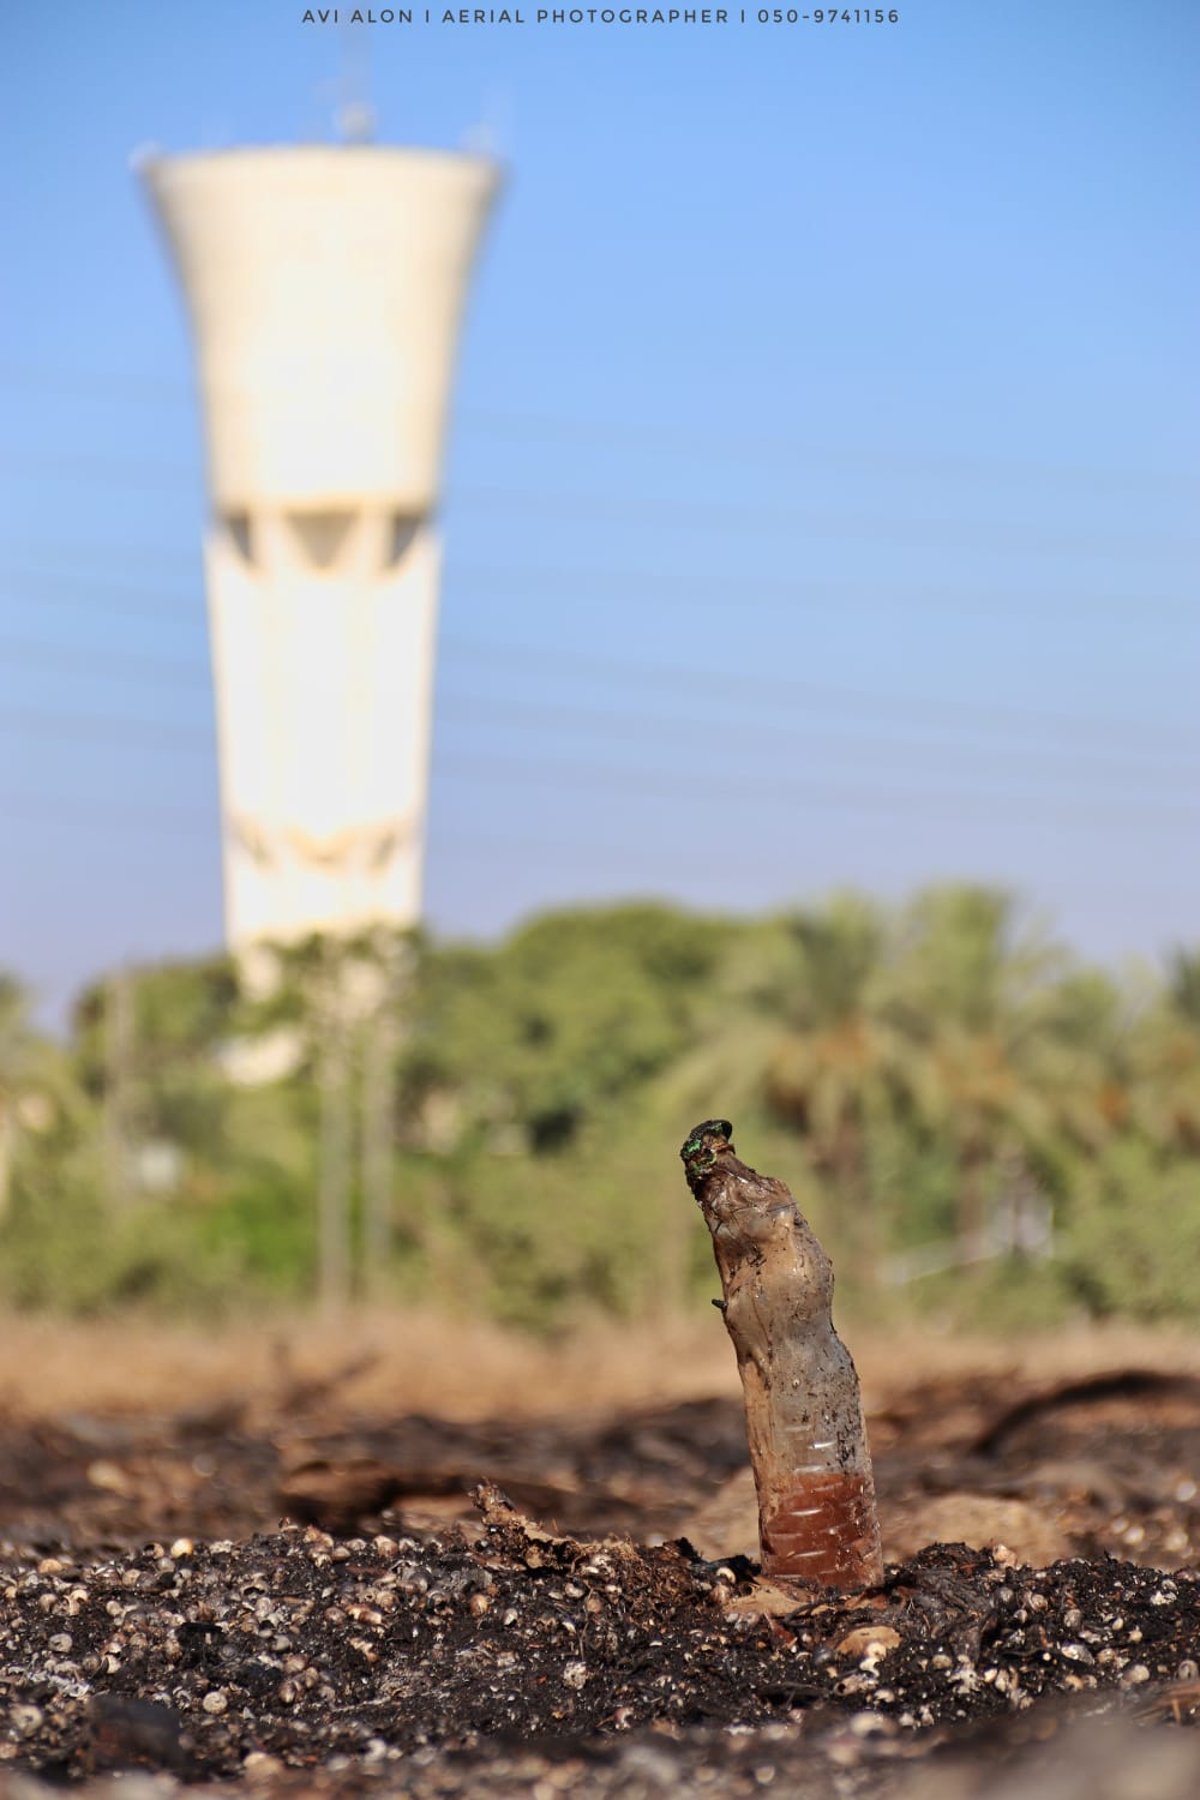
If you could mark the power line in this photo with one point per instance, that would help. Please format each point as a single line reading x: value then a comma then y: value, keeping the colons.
x: 659, y: 511
x: 546, y: 851
x: 80, y: 465
x: 77, y: 810
x: 102, y: 662
x: 702, y: 789
x: 922, y: 719
x: 137, y: 734
x: 923, y: 714
x: 160, y: 601
x: 769, y: 594
x: 772, y: 447
x: 754, y: 447
x: 89, y: 551
x: 765, y: 691
x: 763, y: 594
x: 795, y: 602
x: 709, y: 515
x: 664, y: 729
x: 89, y: 728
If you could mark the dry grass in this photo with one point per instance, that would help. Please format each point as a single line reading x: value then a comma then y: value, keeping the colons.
x: 410, y: 1363
x: 431, y: 1364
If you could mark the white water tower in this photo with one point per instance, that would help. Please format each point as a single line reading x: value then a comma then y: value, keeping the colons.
x: 325, y: 287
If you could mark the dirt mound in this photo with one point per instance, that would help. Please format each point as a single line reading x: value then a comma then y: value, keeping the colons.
x: 425, y: 1661
x: 412, y: 1632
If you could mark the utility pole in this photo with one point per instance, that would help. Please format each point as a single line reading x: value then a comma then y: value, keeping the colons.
x: 118, y: 1060
x: 333, y: 1152
x: 384, y: 1034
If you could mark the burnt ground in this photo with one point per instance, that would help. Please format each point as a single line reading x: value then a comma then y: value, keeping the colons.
x: 281, y: 1601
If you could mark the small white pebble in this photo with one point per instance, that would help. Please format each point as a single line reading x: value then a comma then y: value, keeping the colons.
x: 61, y: 1642
x: 259, y: 1766
x: 865, y: 1724
x: 1135, y: 1674
x: 182, y: 1547
x: 215, y: 1702
x: 575, y: 1674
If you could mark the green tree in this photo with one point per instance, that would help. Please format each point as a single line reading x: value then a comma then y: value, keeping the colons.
x: 976, y: 990
x: 1166, y: 1076
x: 528, y: 1042
x: 35, y: 1086
x: 839, y: 1072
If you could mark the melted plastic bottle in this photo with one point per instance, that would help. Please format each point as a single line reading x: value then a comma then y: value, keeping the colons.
x: 804, y: 1423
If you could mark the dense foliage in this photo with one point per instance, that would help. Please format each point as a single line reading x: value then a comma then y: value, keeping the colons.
x: 975, y: 1122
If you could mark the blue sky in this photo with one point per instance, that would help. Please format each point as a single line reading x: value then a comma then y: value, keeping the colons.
x: 820, y: 502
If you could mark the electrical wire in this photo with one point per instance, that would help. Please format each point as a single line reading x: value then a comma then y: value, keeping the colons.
x: 690, y: 441
x: 658, y: 511
x: 763, y: 691
x: 766, y: 595
x: 681, y: 731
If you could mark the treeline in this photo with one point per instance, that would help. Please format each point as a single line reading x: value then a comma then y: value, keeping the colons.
x: 976, y: 1123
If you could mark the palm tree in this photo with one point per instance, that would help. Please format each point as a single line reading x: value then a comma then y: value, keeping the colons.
x: 1167, y: 1067
x: 31, y: 1079
x: 993, y: 1068
x: 841, y: 1068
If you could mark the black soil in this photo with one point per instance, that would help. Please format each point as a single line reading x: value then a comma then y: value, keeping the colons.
x: 422, y: 1638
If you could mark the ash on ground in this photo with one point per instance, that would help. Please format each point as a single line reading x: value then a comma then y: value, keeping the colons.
x: 463, y: 1647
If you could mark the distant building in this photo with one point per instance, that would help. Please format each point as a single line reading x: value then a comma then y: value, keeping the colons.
x: 325, y: 287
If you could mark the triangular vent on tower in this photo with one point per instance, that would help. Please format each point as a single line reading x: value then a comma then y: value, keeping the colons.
x: 237, y: 524
x: 404, y: 529
x: 322, y: 536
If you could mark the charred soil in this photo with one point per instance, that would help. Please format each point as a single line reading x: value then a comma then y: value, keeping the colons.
x: 417, y: 1606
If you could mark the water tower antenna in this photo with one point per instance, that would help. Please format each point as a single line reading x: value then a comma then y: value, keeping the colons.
x: 355, y: 116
